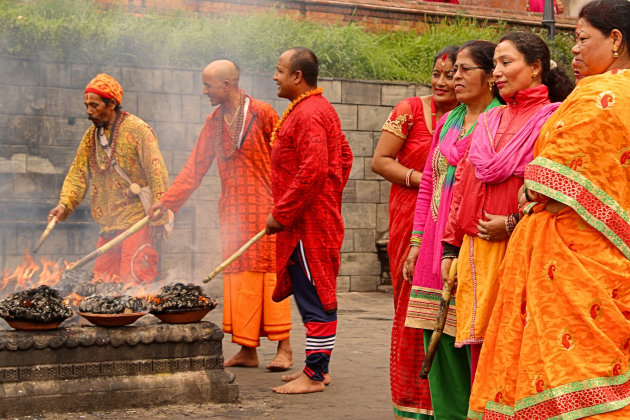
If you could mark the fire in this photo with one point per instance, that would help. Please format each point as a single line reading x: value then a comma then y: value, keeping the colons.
x: 73, y: 299
x: 30, y: 274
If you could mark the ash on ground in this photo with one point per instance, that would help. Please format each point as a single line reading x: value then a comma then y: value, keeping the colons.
x: 113, y: 305
x: 179, y: 296
x: 72, y: 279
x: 41, y: 304
x: 100, y: 288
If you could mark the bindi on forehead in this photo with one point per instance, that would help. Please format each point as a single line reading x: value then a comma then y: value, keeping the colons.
x: 444, y: 57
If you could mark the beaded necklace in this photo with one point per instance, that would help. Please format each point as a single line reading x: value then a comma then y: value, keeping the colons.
x: 238, y: 118
x: 103, y: 155
x: 285, y: 114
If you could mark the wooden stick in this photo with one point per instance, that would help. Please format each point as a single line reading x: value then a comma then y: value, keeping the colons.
x: 439, y: 322
x: 109, y: 245
x: 234, y: 256
x: 49, y: 228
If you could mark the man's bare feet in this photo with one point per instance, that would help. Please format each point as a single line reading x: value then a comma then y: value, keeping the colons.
x: 246, y: 357
x: 284, y: 357
x: 301, y: 385
x: 293, y: 376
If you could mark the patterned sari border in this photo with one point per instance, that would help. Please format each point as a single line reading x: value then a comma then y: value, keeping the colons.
x: 606, y: 394
x: 412, y: 413
x: 595, y: 206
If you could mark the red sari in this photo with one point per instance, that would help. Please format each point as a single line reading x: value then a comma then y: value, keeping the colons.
x: 410, y: 394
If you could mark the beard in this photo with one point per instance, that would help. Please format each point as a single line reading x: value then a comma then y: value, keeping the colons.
x: 97, y: 123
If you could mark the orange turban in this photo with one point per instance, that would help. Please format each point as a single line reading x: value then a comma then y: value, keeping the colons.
x: 105, y: 86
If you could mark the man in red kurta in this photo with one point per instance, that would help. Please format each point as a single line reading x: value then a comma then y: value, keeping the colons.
x: 310, y: 165
x: 237, y: 134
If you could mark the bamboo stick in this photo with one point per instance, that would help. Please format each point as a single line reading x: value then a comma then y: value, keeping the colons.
x: 109, y: 245
x: 234, y: 256
x: 42, y: 238
x: 439, y: 322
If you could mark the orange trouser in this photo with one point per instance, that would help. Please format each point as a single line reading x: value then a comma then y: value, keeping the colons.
x: 134, y: 260
x: 249, y: 312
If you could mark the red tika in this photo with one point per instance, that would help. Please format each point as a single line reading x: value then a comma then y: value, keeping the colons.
x: 311, y: 162
x: 245, y: 185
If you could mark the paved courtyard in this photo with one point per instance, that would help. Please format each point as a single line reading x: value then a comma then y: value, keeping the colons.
x: 359, y: 369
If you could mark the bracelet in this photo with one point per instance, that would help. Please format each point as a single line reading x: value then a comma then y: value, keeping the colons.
x: 408, y: 178
x: 510, y: 223
x: 448, y: 257
x: 415, y: 241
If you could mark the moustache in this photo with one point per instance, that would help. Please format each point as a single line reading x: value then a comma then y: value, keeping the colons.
x: 95, y: 121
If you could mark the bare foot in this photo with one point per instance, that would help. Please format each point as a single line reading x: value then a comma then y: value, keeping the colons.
x: 293, y: 376
x: 283, y: 359
x: 246, y: 357
x: 302, y: 385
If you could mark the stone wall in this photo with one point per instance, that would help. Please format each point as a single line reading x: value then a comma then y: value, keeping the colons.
x: 42, y: 120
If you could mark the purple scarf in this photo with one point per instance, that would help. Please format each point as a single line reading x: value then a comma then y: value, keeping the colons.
x: 495, y: 167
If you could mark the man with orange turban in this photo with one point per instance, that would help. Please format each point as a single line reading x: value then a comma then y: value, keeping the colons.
x: 118, y: 154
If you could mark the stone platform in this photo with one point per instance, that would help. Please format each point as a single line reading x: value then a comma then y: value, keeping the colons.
x: 94, y: 368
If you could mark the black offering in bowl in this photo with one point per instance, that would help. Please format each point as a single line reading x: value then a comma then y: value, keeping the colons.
x: 112, y: 311
x: 40, y: 308
x: 180, y: 303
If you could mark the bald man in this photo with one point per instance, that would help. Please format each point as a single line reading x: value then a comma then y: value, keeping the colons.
x: 237, y: 133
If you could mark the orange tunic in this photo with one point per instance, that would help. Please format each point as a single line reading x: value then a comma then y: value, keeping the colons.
x: 245, y: 200
x: 558, y: 341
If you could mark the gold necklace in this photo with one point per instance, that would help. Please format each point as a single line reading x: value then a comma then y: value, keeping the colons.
x: 285, y: 114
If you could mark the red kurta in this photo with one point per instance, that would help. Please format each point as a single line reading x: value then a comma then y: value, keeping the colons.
x: 311, y: 162
x: 245, y: 199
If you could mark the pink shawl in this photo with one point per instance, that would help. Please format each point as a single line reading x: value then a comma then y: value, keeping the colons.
x: 495, y: 167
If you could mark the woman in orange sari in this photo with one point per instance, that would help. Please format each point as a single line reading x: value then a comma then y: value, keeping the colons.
x: 558, y: 340
x: 399, y: 157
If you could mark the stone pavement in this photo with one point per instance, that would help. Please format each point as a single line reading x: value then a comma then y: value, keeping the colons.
x: 359, y: 369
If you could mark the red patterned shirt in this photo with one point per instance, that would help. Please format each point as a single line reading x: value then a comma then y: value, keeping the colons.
x: 245, y: 198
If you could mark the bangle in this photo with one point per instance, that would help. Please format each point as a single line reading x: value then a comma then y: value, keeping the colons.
x: 415, y: 241
x: 408, y: 178
x: 510, y: 223
x: 448, y: 257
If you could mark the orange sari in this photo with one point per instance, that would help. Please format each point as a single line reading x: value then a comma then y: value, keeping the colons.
x: 558, y: 343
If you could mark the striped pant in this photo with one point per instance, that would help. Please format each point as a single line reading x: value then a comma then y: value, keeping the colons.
x: 321, y: 327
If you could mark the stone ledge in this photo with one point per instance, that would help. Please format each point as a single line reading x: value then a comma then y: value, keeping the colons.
x: 74, y: 336
x: 108, y: 368
x: 107, y: 393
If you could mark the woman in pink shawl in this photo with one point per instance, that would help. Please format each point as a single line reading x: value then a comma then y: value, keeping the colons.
x: 484, y: 210
x: 449, y: 380
x: 399, y: 157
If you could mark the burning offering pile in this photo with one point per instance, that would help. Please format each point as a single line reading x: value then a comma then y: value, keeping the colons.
x: 179, y: 296
x: 41, y: 304
x: 113, y: 305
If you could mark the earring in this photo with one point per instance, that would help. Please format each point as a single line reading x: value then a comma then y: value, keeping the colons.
x: 491, y: 85
x: 534, y: 74
x: 615, y: 53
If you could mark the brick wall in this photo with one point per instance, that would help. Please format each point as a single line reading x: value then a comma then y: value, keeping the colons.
x: 42, y: 120
x: 375, y: 14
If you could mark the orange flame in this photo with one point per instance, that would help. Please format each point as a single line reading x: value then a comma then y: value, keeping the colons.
x: 29, y: 274
x: 73, y: 299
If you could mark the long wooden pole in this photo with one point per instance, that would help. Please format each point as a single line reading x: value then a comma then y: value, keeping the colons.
x: 109, y: 245
x: 234, y: 256
x: 439, y: 322
x: 49, y: 228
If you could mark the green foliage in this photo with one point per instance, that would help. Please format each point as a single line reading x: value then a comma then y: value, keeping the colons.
x: 82, y: 31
